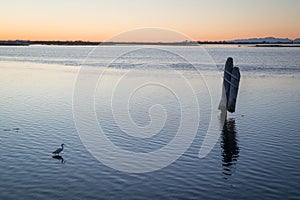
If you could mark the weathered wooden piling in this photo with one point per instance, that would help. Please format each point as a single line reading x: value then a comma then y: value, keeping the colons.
x: 230, y: 87
x: 234, y: 88
x: 226, y: 84
x: 227, y: 76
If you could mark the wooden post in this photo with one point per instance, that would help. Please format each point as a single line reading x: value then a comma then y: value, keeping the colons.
x: 234, y: 88
x: 226, y: 84
x: 230, y: 87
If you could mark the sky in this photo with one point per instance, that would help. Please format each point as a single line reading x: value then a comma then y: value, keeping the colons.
x: 99, y: 20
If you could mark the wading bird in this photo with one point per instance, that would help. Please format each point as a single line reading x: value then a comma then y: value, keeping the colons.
x: 57, y: 151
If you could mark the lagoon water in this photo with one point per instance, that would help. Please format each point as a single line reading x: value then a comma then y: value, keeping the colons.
x: 255, y: 157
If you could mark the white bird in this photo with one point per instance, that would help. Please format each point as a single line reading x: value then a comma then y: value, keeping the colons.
x: 57, y: 151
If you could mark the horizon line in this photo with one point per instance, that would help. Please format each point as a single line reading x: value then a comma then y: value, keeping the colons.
x: 182, y: 41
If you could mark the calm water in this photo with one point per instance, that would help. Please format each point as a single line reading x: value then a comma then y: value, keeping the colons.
x: 256, y: 157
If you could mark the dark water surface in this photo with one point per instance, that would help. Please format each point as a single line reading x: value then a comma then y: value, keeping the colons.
x: 256, y: 157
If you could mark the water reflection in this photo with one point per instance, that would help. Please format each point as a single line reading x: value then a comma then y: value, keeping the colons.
x: 58, y: 157
x: 230, y: 148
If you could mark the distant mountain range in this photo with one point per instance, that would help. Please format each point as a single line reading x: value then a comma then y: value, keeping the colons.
x: 297, y: 40
x: 269, y: 40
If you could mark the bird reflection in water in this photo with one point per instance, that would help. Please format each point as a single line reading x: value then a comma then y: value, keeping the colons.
x: 230, y: 148
x: 58, y: 157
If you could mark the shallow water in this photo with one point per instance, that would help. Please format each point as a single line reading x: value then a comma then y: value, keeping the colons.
x: 256, y: 156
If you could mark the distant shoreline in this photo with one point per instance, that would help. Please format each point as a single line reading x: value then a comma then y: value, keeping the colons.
x: 277, y: 45
x: 184, y: 43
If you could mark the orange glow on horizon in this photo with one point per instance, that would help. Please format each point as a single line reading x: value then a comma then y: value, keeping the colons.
x: 214, y: 20
x: 106, y: 36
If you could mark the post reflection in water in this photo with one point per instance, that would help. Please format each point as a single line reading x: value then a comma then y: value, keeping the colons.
x: 230, y: 148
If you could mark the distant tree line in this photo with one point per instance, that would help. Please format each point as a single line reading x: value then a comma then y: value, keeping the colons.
x: 37, y: 42
x: 79, y: 42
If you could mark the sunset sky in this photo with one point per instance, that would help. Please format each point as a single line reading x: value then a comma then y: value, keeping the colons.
x: 98, y: 20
